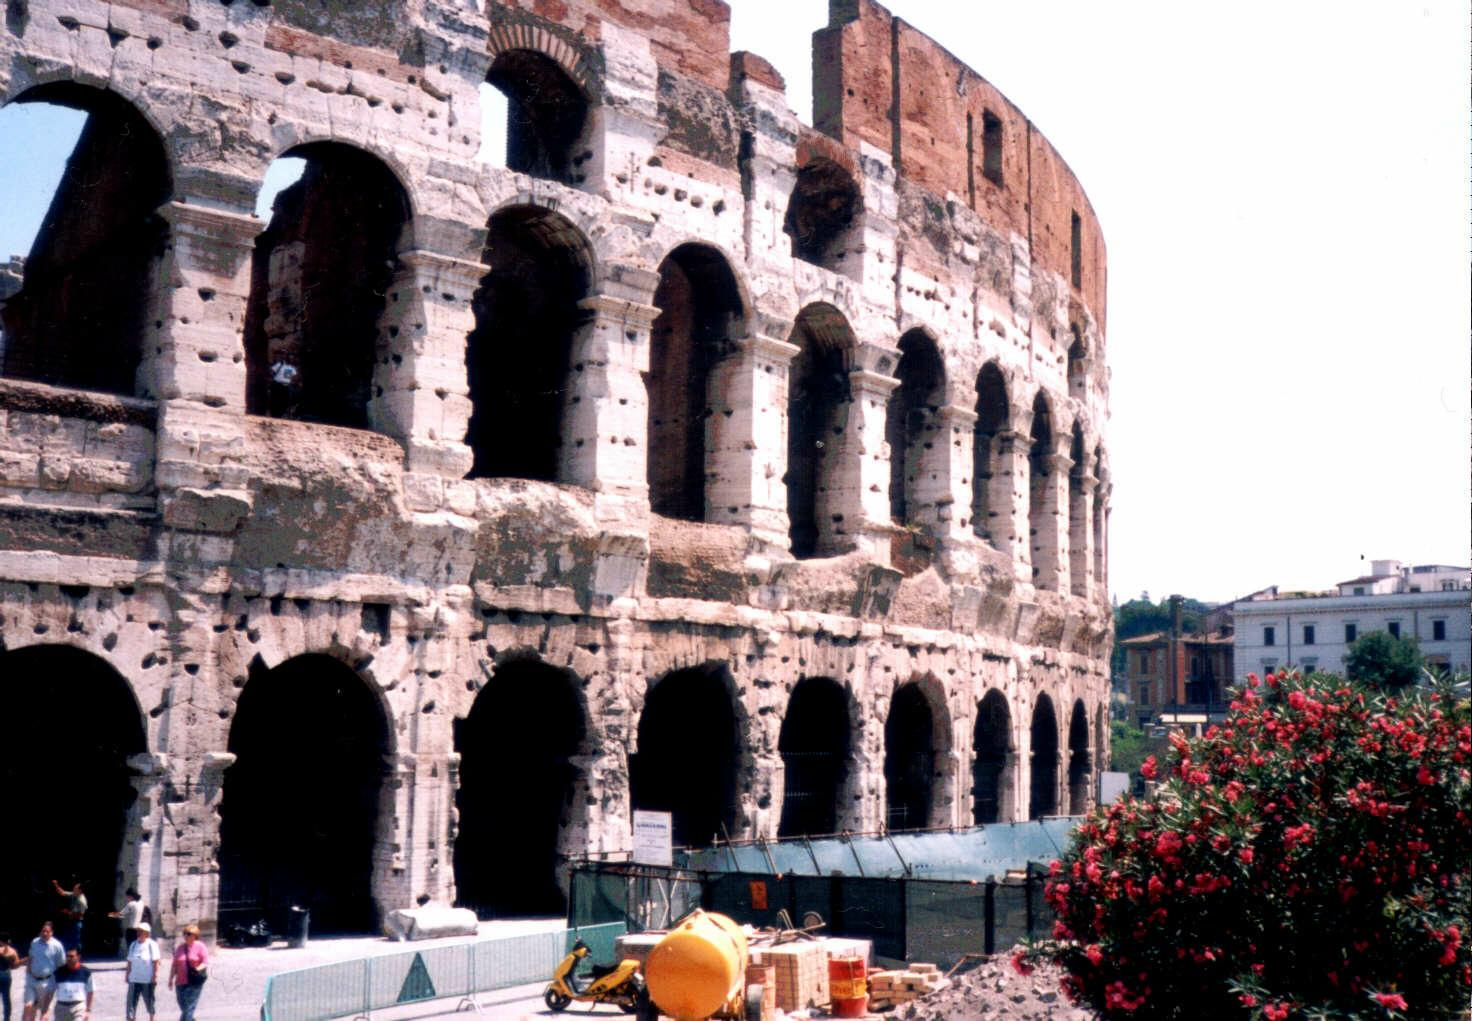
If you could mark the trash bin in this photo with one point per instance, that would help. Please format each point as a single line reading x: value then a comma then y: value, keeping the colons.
x: 298, y: 921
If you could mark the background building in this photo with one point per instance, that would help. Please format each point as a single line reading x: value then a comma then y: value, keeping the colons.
x: 1179, y: 673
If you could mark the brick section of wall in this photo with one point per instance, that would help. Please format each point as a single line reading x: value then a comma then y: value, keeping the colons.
x: 299, y: 43
x: 1055, y: 195
x: 852, y: 74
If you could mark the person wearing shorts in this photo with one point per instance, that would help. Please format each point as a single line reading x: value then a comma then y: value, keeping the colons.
x: 46, y: 955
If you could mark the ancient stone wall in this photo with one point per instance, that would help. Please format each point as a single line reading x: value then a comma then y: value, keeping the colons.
x: 912, y: 300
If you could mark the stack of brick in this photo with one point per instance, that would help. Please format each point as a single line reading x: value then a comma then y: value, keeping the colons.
x: 799, y: 971
x: 888, y: 988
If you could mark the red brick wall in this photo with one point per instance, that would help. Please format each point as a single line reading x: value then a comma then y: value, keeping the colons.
x: 852, y: 80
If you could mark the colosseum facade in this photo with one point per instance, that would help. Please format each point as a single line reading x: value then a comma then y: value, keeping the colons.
x: 696, y: 459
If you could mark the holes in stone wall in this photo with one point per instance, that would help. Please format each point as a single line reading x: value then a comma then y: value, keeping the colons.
x: 991, y: 483
x: 1079, y: 764
x: 909, y: 760
x: 814, y: 744
x: 299, y: 813
x: 546, y: 115
x: 991, y: 773
x: 517, y: 790
x: 1044, y: 800
x: 818, y: 402
x: 76, y: 309
x: 700, y: 313
x: 319, y: 287
x: 912, y: 425
x: 518, y: 357
x: 74, y: 718
x: 822, y: 213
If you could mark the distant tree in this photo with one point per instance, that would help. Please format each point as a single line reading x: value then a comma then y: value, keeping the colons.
x: 1384, y: 661
x: 1141, y: 617
x: 1128, y: 746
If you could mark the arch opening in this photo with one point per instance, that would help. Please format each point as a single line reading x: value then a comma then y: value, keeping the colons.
x: 1080, y: 762
x: 814, y: 745
x: 909, y: 760
x: 74, y: 311
x: 694, y: 780
x: 913, y: 428
x: 992, y: 768
x: 991, y: 483
x: 700, y: 313
x: 76, y: 723
x: 1044, y: 798
x: 299, y: 811
x: 1078, y: 363
x: 320, y: 277
x: 818, y: 403
x: 822, y: 213
x: 546, y: 115
x: 1042, y: 500
x: 1078, y: 516
x: 528, y: 311
x: 518, y: 781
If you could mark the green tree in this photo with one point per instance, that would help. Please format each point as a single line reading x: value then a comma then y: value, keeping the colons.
x: 1128, y: 746
x: 1384, y: 661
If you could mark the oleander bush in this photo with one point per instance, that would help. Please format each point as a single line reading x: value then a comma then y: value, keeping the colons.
x: 1309, y: 858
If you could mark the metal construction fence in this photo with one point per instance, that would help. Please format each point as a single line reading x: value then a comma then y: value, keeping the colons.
x: 359, y: 987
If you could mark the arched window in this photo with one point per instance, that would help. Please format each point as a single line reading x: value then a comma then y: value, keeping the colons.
x: 299, y: 814
x: 814, y: 744
x: 822, y: 214
x: 1078, y: 514
x: 913, y: 428
x: 546, y: 115
x: 527, y: 313
x: 910, y: 753
x: 992, y: 769
x: 991, y: 482
x: 1044, y: 799
x: 700, y: 313
x: 73, y: 722
x: 1080, y: 764
x: 76, y: 311
x: 518, y: 782
x: 319, y: 286
x: 1042, y: 497
x: 1078, y: 363
x: 818, y: 403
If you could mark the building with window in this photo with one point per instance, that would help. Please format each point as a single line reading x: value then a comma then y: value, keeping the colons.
x: 1430, y: 603
x: 1179, y: 678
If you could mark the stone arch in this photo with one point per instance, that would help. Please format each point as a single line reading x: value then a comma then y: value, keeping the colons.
x: 823, y: 213
x: 80, y: 315
x: 528, y: 312
x: 1079, y: 536
x: 1080, y: 761
x: 1043, y: 753
x: 917, y: 745
x: 915, y: 431
x: 548, y: 103
x: 819, y: 400
x: 75, y: 723
x: 306, y: 727
x: 994, y: 760
x: 1042, y: 493
x: 320, y: 277
x: 689, y: 754
x: 815, y: 743
x: 507, y: 35
x: 991, y: 479
x: 701, y: 313
x: 520, y: 787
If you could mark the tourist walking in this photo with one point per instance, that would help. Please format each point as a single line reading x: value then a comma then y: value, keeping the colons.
x: 73, y: 909
x: 45, y: 956
x: 9, y: 961
x: 73, y: 988
x: 143, y: 956
x: 191, y: 968
x: 130, y: 914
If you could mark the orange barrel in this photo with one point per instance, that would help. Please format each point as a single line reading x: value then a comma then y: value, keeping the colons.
x: 698, y: 968
x: 847, y: 987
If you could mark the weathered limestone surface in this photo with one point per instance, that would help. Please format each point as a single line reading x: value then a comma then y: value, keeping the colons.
x: 186, y: 542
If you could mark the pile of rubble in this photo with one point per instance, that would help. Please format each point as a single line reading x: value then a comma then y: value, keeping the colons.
x: 995, y: 990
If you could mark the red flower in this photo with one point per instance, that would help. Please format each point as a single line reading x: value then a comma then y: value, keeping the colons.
x: 1020, y: 964
x: 1391, y: 1001
x: 1148, y: 768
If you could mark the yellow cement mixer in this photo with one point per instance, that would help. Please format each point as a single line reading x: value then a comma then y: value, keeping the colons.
x: 698, y: 971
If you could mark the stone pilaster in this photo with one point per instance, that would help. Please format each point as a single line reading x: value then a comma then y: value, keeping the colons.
x: 943, y: 491
x: 1081, y: 551
x: 1008, y: 501
x: 1048, y: 522
x: 859, y: 487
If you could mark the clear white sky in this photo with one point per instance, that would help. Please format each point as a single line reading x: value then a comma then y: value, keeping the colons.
x: 1283, y: 188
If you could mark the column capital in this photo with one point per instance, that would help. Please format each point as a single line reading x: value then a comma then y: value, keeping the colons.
x: 205, y: 221
x: 1060, y: 463
x: 1088, y: 482
x: 866, y: 381
x: 766, y: 349
x: 462, y: 271
x: 955, y: 414
x: 610, y: 308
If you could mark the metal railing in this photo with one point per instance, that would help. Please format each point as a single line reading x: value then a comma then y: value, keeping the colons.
x: 359, y: 987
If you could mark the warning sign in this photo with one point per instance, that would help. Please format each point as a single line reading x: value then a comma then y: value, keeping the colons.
x: 653, y: 838
x: 417, y: 985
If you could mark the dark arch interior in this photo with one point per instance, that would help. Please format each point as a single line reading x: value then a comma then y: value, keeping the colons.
x: 73, y: 723
x: 1079, y: 761
x: 700, y: 308
x: 814, y: 744
x: 688, y: 748
x: 518, y: 357
x: 80, y: 315
x: 991, y: 419
x: 909, y: 759
x: 1044, y: 760
x: 1039, y: 468
x: 818, y: 397
x: 320, y: 277
x: 299, y: 809
x: 1077, y: 353
x: 991, y: 743
x: 517, y: 783
x: 911, y: 423
x: 545, y: 115
x: 824, y: 203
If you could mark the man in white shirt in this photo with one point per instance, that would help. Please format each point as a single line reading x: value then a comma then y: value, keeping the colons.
x: 142, y: 972
x: 73, y: 988
x: 42, y: 961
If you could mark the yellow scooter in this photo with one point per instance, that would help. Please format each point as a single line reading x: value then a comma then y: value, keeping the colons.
x: 618, y: 984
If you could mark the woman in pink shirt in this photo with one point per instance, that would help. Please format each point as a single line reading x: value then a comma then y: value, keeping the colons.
x: 191, y: 968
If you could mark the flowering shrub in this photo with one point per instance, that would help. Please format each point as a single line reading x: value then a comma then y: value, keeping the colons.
x: 1309, y: 858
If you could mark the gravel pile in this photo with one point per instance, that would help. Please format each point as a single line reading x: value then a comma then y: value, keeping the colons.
x: 996, y: 990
